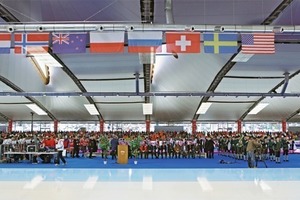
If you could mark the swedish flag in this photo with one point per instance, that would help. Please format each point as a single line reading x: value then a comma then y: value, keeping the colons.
x: 220, y: 43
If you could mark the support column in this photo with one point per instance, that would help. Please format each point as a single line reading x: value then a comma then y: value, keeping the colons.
x: 194, y: 126
x: 148, y: 126
x: 283, y: 126
x: 10, y: 125
x: 32, y: 113
x: 101, y: 126
x: 239, y: 126
x: 55, y: 126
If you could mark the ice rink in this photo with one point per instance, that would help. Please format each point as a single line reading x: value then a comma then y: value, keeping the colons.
x: 175, y: 184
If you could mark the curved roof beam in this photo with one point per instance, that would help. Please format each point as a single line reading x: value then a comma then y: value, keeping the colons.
x: 4, y: 116
x: 76, y: 81
x: 273, y: 90
x: 6, y: 15
x: 228, y: 66
x: 33, y: 100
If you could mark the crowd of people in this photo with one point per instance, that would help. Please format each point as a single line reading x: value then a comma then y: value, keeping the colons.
x: 159, y: 145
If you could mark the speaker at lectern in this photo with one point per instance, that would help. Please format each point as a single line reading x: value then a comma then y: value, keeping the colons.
x: 122, y: 154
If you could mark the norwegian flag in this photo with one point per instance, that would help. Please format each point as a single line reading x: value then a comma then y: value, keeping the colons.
x: 30, y: 43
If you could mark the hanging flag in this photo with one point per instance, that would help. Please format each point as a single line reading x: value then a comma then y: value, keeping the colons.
x: 258, y: 43
x: 68, y: 43
x: 144, y: 42
x: 220, y: 43
x: 183, y: 42
x: 31, y: 43
x: 5, y: 41
x: 108, y: 42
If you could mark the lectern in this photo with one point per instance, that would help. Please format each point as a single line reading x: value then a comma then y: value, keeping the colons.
x: 122, y: 154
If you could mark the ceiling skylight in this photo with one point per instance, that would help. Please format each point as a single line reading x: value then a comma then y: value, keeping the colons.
x: 91, y: 109
x: 203, y: 108
x: 147, y: 108
x: 258, y: 108
x: 36, y: 109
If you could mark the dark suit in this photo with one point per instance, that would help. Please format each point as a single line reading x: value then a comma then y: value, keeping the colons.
x: 114, y: 146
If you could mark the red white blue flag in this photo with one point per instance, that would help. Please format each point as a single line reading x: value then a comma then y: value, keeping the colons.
x: 68, y: 43
x: 258, y: 43
x: 5, y: 42
x: 144, y: 42
x: 31, y: 43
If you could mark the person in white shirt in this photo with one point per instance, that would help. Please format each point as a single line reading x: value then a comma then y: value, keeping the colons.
x: 60, y: 149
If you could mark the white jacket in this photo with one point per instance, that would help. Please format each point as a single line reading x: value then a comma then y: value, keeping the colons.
x: 60, y: 145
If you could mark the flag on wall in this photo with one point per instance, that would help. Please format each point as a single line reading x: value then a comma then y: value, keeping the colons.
x: 258, y: 43
x: 108, y: 42
x: 219, y: 43
x: 183, y: 42
x: 68, y: 43
x: 144, y: 42
x: 5, y: 41
x: 31, y: 43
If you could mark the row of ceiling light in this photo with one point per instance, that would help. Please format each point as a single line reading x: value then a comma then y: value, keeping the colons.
x: 147, y: 108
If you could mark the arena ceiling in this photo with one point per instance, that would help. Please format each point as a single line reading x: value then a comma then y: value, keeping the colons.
x: 215, y: 78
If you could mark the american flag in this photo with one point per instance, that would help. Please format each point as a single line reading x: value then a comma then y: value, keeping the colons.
x: 258, y: 43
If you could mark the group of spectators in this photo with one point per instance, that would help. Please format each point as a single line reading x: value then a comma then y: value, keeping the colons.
x: 160, y: 144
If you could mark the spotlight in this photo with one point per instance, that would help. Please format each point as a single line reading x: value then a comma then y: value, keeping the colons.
x: 278, y: 29
x: 10, y: 29
x: 101, y: 28
x: 219, y: 29
x: 131, y: 28
x: 190, y: 28
x: 40, y: 29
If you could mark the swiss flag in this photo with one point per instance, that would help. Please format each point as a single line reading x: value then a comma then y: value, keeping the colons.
x: 183, y: 42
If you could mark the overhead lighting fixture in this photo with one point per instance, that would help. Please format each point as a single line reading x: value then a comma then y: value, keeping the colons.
x: 219, y: 29
x: 91, y: 109
x: 147, y: 108
x: 203, y: 108
x: 10, y: 29
x: 240, y: 57
x: 258, y: 108
x: 278, y: 29
x: 36, y: 109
